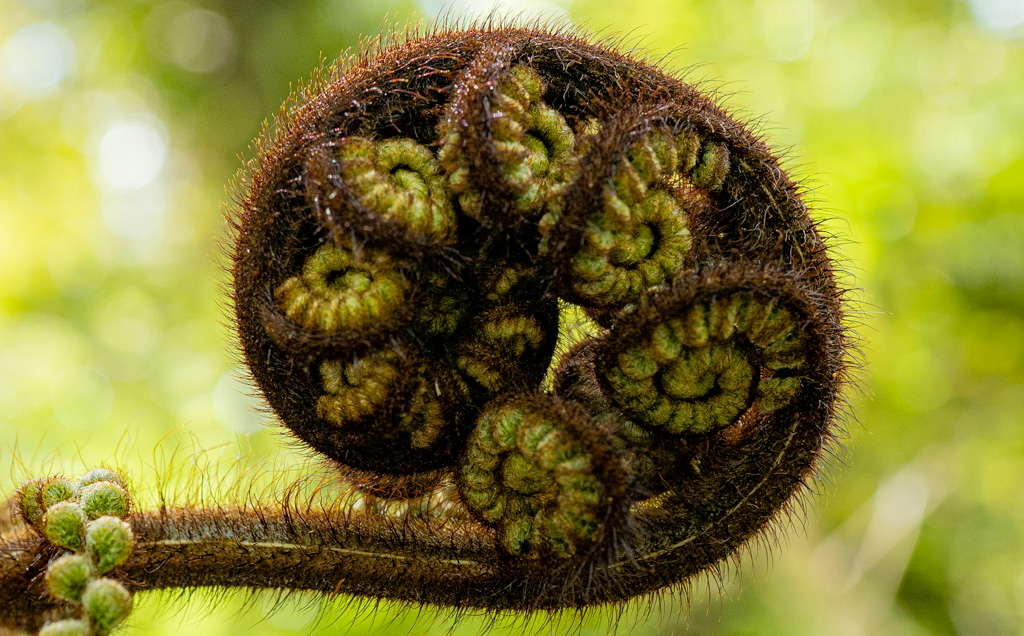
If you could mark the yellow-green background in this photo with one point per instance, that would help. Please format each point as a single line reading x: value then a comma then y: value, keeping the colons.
x: 122, y: 121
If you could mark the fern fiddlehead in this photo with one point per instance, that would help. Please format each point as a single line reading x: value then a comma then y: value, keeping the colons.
x: 403, y: 246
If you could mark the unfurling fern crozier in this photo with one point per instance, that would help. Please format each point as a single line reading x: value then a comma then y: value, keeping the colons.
x: 408, y: 244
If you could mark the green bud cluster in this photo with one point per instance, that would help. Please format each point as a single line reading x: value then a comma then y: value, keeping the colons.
x: 87, y: 518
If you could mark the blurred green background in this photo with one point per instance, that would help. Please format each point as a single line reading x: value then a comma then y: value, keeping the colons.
x: 122, y: 121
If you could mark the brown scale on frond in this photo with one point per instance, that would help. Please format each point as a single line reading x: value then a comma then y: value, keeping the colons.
x: 402, y: 246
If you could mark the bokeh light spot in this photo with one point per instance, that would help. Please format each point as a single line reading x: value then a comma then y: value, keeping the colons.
x: 999, y: 15
x: 130, y: 154
x: 200, y: 41
x: 36, y: 58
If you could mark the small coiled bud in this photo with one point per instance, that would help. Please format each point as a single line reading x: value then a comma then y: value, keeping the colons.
x: 29, y: 503
x: 104, y: 498
x: 108, y: 602
x: 100, y: 474
x: 700, y: 371
x: 401, y: 181
x: 109, y: 542
x: 56, y: 490
x: 64, y: 525
x: 342, y: 291
x: 635, y: 234
x: 533, y: 149
x: 67, y: 576
x: 539, y: 471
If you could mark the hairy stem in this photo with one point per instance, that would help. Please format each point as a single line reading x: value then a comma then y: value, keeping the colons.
x: 411, y: 558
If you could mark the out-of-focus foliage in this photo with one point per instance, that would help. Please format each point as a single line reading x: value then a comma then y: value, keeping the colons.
x: 121, y: 121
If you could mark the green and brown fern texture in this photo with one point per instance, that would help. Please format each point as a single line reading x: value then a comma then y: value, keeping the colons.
x: 413, y: 245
